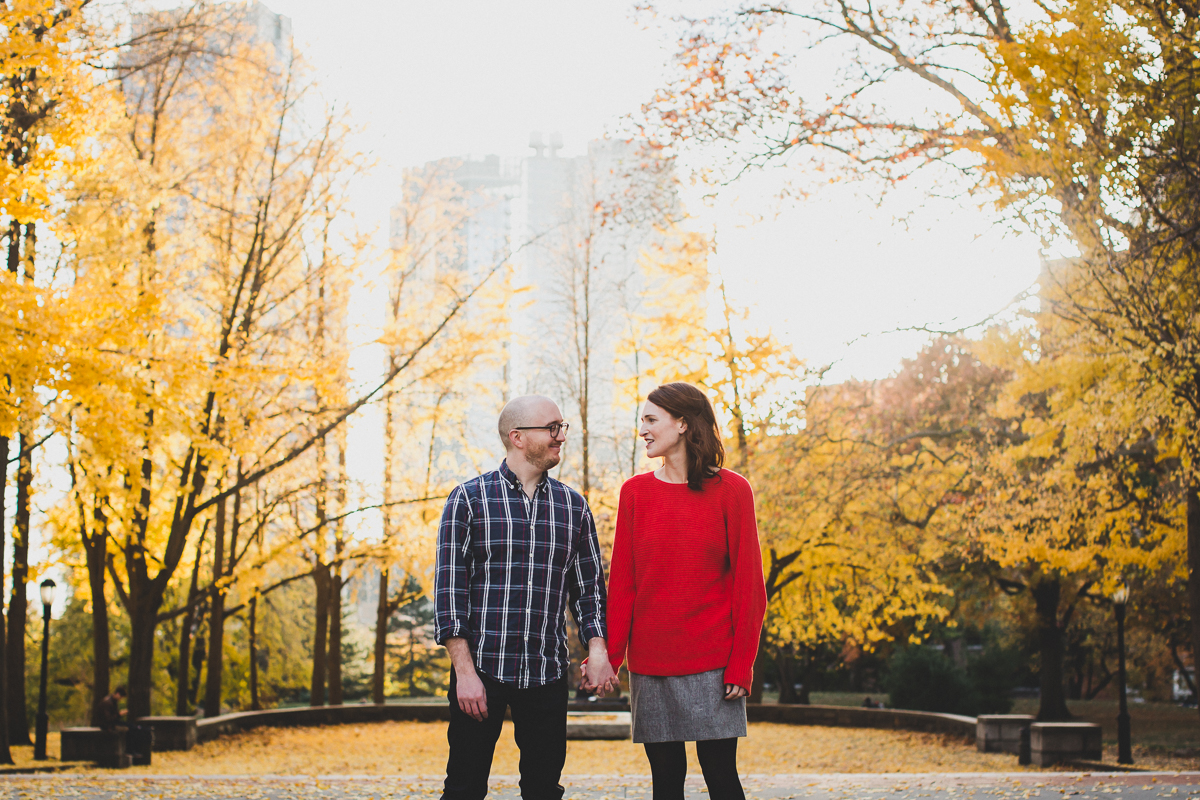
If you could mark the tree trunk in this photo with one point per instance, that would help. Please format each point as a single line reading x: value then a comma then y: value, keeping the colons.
x: 199, y: 656
x: 183, y: 706
x: 183, y: 670
x: 785, y: 667
x: 381, y: 620
x: 1193, y: 551
x: 5, y: 754
x: 336, y: 583
x: 143, y: 622
x: 1183, y: 670
x: 1074, y: 676
x: 144, y: 595
x: 254, y: 703
x: 412, y: 657
x: 96, y: 552
x: 585, y: 374
x: 806, y: 673
x: 335, y: 636
x: 18, y: 609
x: 18, y: 723
x: 1053, y: 707
x: 761, y: 662
x: 216, y: 619
x: 319, y: 653
x: 14, y: 261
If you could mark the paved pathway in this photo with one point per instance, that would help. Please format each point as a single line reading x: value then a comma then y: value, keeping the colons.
x: 965, y: 786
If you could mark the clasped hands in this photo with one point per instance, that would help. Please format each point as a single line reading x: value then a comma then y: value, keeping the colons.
x: 596, y: 674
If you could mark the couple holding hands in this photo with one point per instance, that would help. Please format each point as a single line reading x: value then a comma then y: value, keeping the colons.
x: 683, y: 606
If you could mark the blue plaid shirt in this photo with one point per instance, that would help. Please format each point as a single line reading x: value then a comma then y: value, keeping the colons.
x: 508, y: 565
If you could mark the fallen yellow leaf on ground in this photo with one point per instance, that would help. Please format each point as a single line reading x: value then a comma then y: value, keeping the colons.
x: 419, y: 748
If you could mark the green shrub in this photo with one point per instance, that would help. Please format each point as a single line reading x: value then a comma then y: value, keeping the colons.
x: 993, y: 673
x: 925, y: 679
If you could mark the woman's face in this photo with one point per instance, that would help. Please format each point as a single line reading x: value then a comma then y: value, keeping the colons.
x: 662, y: 432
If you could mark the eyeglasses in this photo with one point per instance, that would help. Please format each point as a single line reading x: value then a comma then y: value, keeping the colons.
x: 554, y: 428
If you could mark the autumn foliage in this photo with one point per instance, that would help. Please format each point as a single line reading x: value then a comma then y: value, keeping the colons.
x: 179, y: 342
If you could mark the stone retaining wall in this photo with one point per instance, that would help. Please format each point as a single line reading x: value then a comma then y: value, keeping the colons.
x: 207, y: 729
x: 176, y: 731
x: 850, y: 717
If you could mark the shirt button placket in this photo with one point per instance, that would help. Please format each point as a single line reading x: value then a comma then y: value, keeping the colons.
x: 529, y: 584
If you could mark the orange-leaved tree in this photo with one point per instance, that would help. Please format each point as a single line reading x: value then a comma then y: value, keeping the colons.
x: 1074, y: 116
x: 858, y: 499
x: 1080, y: 489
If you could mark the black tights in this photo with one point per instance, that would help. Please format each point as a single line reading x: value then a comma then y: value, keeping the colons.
x: 718, y: 762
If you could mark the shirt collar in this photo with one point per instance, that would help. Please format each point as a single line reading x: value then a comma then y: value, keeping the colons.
x: 510, y: 478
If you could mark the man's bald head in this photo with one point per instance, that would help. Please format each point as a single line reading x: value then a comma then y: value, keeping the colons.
x: 524, y: 411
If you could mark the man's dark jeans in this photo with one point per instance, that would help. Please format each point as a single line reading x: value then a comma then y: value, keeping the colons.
x: 540, y: 726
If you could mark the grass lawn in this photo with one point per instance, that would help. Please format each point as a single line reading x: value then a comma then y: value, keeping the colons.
x: 833, y: 698
x: 1165, y: 736
x: 1161, y: 726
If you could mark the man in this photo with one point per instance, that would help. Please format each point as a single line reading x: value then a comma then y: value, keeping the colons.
x: 515, y: 547
x: 110, y: 712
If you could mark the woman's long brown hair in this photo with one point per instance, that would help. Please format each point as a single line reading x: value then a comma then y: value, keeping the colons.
x: 705, y: 452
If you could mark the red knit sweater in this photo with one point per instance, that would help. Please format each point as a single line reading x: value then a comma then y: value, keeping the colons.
x: 685, y: 589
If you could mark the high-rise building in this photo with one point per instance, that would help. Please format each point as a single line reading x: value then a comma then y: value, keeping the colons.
x: 572, y: 228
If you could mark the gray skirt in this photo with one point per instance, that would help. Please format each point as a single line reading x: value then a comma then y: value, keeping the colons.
x: 684, y: 708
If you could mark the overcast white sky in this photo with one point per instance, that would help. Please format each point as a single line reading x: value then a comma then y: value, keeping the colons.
x: 427, y: 80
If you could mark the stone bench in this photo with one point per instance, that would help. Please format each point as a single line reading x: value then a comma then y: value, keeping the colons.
x: 1055, y: 742
x: 106, y: 748
x: 1000, y: 733
x: 598, y: 725
x: 171, y: 733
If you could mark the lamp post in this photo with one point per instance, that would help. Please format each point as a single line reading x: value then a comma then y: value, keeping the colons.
x: 1124, y: 746
x: 43, y: 720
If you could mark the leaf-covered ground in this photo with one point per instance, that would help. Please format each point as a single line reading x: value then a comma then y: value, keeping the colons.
x: 963, y: 786
x: 417, y: 748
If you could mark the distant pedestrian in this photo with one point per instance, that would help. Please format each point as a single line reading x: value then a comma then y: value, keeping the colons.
x: 686, y: 595
x: 110, y: 712
x: 515, y: 549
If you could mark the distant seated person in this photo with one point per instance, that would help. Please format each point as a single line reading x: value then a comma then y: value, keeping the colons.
x: 111, y: 713
x: 869, y: 703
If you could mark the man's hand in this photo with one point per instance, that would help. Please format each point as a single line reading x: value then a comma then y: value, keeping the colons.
x: 598, y: 675
x: 733, y: 691
x: 472, y: 696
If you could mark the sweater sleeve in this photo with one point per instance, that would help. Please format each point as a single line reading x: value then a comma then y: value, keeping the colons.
x: 749, y: 590
x: 620, y: 581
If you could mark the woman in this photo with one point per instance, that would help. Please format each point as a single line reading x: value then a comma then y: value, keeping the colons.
x: 686, y: 596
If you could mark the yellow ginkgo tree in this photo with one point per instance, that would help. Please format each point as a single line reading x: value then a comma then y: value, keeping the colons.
x: 45, y: 89
x: 1081, y: 488
x: 858, y: 504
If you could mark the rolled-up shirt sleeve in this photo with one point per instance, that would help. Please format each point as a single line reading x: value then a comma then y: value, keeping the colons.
x: 586, y: 582
x: 452, y: 598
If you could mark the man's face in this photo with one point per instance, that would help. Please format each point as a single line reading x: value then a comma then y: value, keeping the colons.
x: 541, y: 449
